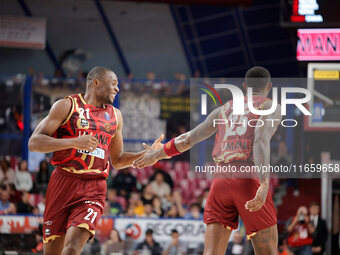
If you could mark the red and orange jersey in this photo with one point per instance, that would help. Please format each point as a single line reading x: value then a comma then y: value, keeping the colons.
x: 86, y: 119
x: 235, y: 137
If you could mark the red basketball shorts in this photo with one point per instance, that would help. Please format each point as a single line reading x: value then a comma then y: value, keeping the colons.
x: 226, y: 202
x: 72, y: 201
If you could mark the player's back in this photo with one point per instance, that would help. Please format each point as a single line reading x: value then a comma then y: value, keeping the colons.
x: 235, y: 137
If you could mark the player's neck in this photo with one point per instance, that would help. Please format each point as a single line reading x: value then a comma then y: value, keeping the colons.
x: 258, y: 93
x: 92, y: 100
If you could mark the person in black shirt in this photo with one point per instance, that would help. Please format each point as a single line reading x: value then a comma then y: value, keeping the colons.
x: 318, y: 229
x: 124, y: 182
x: 149, y: 244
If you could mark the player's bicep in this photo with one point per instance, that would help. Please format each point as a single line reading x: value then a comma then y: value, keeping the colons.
x: 57, y: 115
x: 206, y: 128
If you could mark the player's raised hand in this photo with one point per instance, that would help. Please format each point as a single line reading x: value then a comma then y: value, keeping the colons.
x: 147, y: 159
x: 259, y: 200
x: 86, y: 142
x: 156, y: 144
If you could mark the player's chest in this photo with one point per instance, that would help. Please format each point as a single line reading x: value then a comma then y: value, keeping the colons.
x: 99, y: 122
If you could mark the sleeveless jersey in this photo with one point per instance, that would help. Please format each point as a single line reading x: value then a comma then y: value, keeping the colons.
x: 86, y: 119
x: 235, y: 137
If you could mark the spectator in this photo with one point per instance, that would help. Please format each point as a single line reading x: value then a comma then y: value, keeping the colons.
x: 299, y: 239
x: 115, y: 207
x: 35, y: 210
x: 130, y: 211
x: 114, y: 244
x: 176, y: 247
x: 157, y: 206
x: 124, y: 182
x: 7, y: 174
x: 318, y: 229
x: 283, y: 158
x: 24, y: 206
x: 236, y: 246
x: 41, y: 204
x: 43, y: 176
x: 127, y: 83
x: 92, y: 247
x: 15, y: 196
x: 23, y: 179
x: 173, y: 212
x: 149, y: 245
x: 176, y: 209
x: 38, y: 242
x: 6, y: 207
x: 136, y: 202
x: 205, y: 197
x: 282, y: 247
x: 106, y: 209
x: 148, y: 211
x: 194, y: 212
x: 167, y: 177
x: 148, y: 194
x: 160, y: 186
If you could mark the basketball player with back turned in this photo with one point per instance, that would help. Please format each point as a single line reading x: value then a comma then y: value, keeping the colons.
x: 83, y: 132
x: 235, y: 196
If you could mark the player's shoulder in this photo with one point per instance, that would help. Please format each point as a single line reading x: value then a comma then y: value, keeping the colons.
x: 62, y: 103
x: 117, y: 111
x: 61, y: 108
x: 268, y: 104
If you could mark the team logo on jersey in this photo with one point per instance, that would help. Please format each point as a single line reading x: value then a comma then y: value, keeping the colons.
x: 83, y: 123
x: 107, y: 127
x: 107, y: 116
x: 47, y: 231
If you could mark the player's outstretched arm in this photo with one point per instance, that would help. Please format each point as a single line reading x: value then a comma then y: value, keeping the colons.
x: 42, y: 140
x: 181, y: 143
x: 261, y: 152
x: 119, y: 158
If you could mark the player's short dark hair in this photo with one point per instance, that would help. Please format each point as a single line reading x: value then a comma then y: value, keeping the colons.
x: 174, y: 231
x: 257, y: 77
x: 96, y: 73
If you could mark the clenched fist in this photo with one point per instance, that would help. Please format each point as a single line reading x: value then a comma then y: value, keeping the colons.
x: 86, y: 142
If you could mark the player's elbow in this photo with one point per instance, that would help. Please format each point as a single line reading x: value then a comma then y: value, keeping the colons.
x: 116, y: 164
x: 32, y: 144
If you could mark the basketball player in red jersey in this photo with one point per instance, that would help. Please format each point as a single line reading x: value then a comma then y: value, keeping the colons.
x: 232, y: 197
x: 83, y: 132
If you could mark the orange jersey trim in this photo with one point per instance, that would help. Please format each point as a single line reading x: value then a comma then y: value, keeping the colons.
x: 251, y: 235
x: 50, y: 238
x: 71, y: 111
x: 86, y: 226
